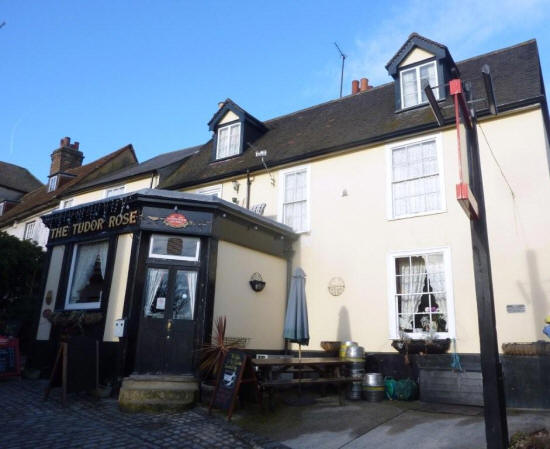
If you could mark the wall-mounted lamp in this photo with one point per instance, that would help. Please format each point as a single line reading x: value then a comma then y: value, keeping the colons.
x: 236, y: 186
x: 256, y: 282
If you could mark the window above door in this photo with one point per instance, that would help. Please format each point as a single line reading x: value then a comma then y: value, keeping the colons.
x: 174, y: 247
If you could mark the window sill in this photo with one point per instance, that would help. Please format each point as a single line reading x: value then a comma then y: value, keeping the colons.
x: 227, y: 158
x: 423, y: 214
x: 418, y: 106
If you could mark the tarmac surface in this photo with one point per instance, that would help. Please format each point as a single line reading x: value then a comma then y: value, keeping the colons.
x: 30, y: 422
x: 382, y: 425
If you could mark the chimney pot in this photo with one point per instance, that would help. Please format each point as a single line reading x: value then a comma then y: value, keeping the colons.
x: 354, y: 87
x: 364, y: 84
x: 65, y: 142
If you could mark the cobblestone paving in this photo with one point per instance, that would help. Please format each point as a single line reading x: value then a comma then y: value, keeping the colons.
x: 29, y: 422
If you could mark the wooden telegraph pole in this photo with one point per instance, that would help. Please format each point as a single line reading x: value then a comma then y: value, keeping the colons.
x: 471, y: 197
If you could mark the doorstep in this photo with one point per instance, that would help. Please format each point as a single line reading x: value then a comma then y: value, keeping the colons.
x: 157, y: 393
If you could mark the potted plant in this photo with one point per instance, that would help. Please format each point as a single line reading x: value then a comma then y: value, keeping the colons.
x: 212, y: 355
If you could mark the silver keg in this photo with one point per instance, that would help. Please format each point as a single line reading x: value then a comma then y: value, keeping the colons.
x: 356, y: 368
x: 373, y: 387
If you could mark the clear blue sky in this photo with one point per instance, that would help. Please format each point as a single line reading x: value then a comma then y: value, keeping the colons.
x: 112, y: 72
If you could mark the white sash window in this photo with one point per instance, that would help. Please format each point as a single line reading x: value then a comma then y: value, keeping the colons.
x: 229, y: 139
x: 421, y: 300
x: 294, y: 204
x: 415, y: 178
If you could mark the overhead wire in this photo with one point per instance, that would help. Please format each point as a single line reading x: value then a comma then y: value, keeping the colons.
x: 496, y: 161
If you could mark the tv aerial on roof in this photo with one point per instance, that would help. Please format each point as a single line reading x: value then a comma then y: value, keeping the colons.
x: 343, y: 56
x: 262, y: 154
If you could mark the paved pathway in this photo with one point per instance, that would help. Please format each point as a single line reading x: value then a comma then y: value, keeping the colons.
x: 29, y: 422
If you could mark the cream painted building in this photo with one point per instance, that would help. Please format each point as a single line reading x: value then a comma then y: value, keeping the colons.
x: 360, y: 219
x: 359, y: 192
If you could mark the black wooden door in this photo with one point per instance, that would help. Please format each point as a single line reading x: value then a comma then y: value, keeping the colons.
x: 168, y: 321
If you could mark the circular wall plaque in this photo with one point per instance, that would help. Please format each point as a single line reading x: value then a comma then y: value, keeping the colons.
x: 336, y: 286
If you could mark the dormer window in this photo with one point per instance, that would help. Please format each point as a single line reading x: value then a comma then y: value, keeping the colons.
x: 234, y: 130
x: 229, y: 138
x: 418, y: 62
x: 52, y: 184
x: 414, y: 80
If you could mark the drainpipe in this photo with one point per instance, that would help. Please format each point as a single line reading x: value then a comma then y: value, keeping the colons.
x: 289, y: 253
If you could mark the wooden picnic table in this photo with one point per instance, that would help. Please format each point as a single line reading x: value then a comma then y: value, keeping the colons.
x: 329, y: 370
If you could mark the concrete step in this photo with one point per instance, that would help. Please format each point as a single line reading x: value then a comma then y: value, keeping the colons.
x: 157, y: 393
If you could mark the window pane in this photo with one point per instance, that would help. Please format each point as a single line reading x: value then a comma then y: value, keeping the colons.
x: 87, y: 280
x: 410, y: 92
x: 184, y: 295
x: 114, y: 191
x: 421, y: 293
x: 156, y: 291
x: 295, y: 200
x: 234, y: 140
x: 428, y: 75
x: 174, y: 247
x: 415, y: 187
x: 223, y: 143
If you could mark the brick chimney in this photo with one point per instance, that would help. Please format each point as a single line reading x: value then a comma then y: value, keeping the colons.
x: 67, y: 156
x: 364, y: 85
x: 354, y: 87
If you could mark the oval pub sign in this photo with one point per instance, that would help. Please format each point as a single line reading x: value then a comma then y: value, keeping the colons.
x: 175, y: 220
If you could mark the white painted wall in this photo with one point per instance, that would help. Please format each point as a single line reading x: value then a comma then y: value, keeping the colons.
x: 416, y: 55
x: 351, y: 236
x: 255, y: 315
x: 99, y: 194
x: 119, y: 280
x: 40, y: 234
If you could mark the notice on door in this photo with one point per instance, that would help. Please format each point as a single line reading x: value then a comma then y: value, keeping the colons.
x: 161, y: 303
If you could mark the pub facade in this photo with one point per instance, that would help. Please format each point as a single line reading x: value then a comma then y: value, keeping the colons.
x: 140, y: 272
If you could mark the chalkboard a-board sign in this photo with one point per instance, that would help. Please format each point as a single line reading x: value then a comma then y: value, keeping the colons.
x: 76, y: 367
x: 230, y: 378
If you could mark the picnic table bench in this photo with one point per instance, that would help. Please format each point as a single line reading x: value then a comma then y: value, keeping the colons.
x: 329, y: 370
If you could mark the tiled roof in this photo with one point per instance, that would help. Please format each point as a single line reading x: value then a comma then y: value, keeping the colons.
x: 369, y: 117
x: 164, y: 164
x: 40, y: 199
x: 17, y: 178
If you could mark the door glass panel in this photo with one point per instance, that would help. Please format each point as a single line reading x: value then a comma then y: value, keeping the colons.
x: 184, y: 295
x: 156, y: 291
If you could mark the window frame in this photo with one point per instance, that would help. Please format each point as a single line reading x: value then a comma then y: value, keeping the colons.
x: 389, y: 175
x: 32, y: 226
x: 392, y: 292
x: 52, y: 183
x: 86, y: 305
x: 110, y: 189
x: 281, y: 195
x: 229, y: 127
x: 152, y: 255
x: 216, y: 189
x: 416, y: 68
